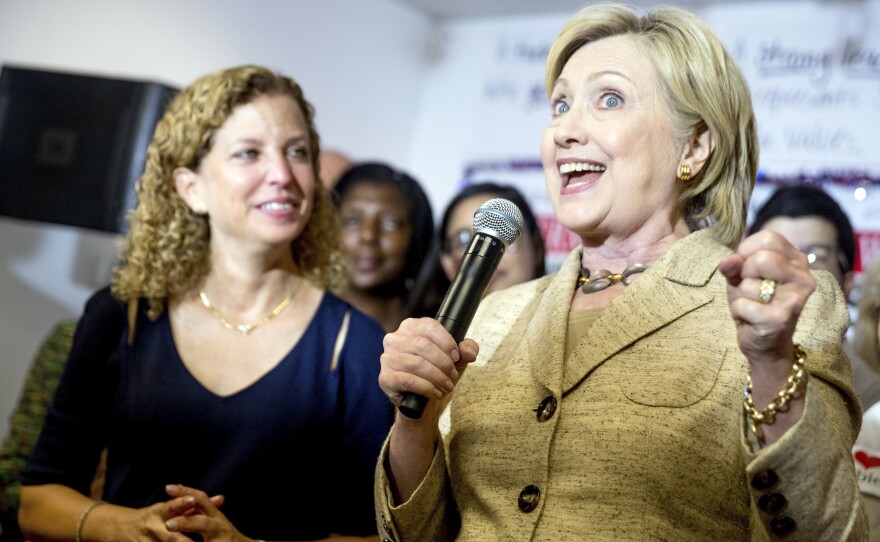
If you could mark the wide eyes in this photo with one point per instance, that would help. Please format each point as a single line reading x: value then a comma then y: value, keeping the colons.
x: 560, y: 107
x: 610, y: 100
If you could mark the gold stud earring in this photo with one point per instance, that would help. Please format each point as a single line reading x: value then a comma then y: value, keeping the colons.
x: 684, y: 172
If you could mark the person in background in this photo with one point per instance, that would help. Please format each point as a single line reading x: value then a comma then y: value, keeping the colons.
x: 234, y: 394
x: 26, y: 422
x: 385, y: 235
x: 661, y: 385
x: 866, y: 345
x: 523, y: 260
x: 866, y: 335
x: 812, y: 221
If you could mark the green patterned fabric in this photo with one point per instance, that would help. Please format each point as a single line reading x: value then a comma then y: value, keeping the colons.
x: 27, y: 420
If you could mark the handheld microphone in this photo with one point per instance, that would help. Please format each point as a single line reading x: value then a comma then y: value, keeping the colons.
x: 497, y: 224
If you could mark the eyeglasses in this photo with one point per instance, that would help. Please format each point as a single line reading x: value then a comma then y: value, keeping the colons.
x: 821, y: 256
x: 458, y: 242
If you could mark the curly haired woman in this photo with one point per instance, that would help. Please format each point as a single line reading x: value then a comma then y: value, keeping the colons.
x: 218, y: 370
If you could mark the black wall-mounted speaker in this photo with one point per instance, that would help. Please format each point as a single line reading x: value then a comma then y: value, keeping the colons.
x: 72, y: 146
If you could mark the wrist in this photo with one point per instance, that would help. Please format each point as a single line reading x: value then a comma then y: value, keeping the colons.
x: 80, y: 524
x: 776, y: 361
x: 792, y: 389
x: 420, y: 433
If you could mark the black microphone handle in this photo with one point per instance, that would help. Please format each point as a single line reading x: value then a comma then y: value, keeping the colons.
x: 474, y: 274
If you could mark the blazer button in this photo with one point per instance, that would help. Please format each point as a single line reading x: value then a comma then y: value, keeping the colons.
x: 528, y: 498
x: 765, y: 480
x: 772, y: 503
x: 546, y: 409
x: 782, y: 525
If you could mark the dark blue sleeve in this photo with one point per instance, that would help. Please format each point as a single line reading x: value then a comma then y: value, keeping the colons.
x: 367, y: 418
x: 75, y: 430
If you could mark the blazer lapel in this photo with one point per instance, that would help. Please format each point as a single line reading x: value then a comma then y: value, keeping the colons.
x: 544, y: 338
x: 672, y: 287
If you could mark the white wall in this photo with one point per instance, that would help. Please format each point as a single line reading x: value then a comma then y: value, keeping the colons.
x: 360, y: 62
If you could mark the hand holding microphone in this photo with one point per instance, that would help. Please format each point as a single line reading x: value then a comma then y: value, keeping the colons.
x: 497, y: 224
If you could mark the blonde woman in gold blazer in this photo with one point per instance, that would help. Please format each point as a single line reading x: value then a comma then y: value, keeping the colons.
x: 611, y: 405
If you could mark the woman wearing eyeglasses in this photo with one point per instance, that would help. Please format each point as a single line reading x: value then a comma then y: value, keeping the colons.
x: 523, y: 260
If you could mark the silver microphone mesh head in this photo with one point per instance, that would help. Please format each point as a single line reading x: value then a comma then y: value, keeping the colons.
x: 500, y: 217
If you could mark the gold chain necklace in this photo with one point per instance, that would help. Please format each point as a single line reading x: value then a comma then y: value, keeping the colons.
x: 605, y: 278
x: 246, y: 329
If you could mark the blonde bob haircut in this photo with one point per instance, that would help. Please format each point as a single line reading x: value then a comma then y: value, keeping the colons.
x: 703, y: 89
x: 166, y: 251
x: 865, y: 340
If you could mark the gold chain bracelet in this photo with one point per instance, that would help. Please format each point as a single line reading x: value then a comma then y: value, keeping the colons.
x: 780, y: 402
x: 82, y: 518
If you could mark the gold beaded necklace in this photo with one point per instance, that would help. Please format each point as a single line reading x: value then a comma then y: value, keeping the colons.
x: 247, y: 329
x: 604, y: 278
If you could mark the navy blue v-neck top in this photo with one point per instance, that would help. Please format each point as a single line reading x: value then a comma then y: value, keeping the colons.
x: 293, y: 453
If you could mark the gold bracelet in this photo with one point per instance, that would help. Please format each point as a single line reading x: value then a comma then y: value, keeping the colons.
x: 780, y: 402
x: 83, y: 516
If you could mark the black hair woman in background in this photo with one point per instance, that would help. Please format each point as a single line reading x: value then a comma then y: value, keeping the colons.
x: 386, y: 232
x: 523, y: 260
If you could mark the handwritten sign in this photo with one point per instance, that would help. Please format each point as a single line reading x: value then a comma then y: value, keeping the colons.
x: 814, y: 73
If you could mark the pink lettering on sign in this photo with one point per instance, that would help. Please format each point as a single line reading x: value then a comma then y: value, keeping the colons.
x: 557, y: 239
x: 868, y: 246
x: 560, y: 241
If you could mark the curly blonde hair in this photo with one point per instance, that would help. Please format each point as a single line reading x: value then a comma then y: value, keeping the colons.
x: 703, y: 88
x: 166, y: 251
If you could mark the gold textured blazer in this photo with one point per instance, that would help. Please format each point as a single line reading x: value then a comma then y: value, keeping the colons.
x: 640, y: 434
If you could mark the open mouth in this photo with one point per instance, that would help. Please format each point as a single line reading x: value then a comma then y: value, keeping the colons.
x: 576, y: 174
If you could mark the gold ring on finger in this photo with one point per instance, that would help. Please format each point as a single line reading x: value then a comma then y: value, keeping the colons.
x: 768, y: 288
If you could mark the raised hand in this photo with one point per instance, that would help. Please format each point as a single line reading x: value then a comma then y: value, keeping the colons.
x: 769, y: 282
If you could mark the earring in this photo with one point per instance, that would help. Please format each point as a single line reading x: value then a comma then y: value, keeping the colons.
x: 684, y: 172
x: 200, y: 210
